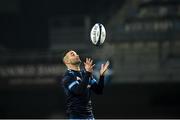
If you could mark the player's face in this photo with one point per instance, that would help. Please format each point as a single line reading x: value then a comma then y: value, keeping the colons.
x: 73, y: 58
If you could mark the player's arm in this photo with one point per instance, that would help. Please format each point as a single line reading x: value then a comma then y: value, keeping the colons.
x: 98, y: 87
x: 74, y: 86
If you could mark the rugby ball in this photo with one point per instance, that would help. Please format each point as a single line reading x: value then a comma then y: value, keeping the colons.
x: 98, y: 34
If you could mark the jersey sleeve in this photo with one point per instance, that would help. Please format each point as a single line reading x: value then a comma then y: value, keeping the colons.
x: 97, y: 87
x: 72, y: 85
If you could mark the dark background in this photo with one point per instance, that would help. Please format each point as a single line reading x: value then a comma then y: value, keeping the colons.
x: 142, y: 44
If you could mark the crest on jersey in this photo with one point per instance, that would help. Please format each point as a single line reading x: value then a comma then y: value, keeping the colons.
x: 88, y: 86
x: 78, y: 78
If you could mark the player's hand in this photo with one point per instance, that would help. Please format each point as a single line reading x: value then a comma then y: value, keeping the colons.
x: 89, y: 65
x: 104, y: 68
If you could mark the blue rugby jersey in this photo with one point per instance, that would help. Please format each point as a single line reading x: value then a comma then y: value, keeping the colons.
x: 78, y: 86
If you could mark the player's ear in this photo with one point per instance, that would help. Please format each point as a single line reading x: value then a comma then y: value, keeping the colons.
x: 64, y: 56
x: 66, y: 60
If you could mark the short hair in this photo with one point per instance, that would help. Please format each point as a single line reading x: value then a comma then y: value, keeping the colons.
x: 64, y: 54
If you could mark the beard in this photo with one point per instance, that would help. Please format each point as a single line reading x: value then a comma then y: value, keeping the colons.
x: 77, y: 62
